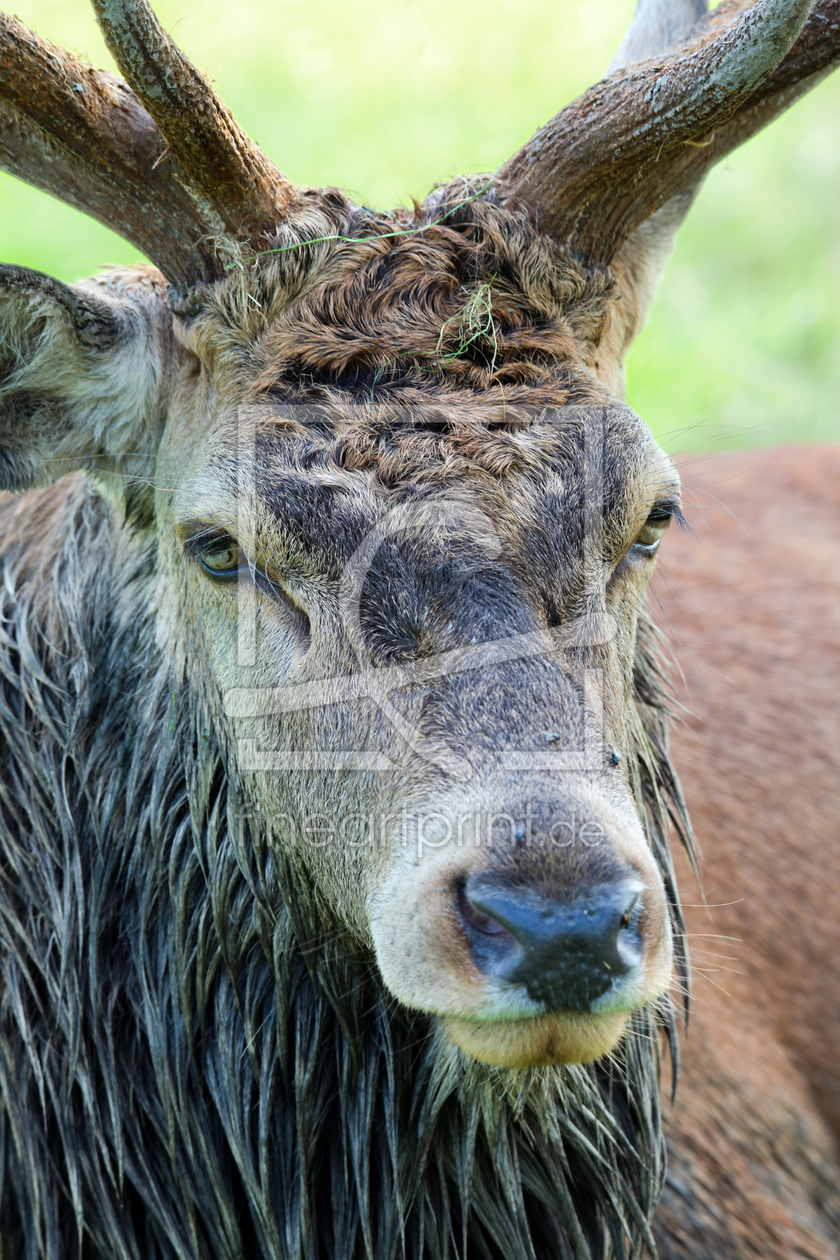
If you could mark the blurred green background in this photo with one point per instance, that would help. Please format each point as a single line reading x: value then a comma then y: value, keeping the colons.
x: 384, y: 100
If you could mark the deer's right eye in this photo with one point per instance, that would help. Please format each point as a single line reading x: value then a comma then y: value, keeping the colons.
x: 220, y: 557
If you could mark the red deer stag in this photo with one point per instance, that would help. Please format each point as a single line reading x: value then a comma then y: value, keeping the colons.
x: 337, y: 911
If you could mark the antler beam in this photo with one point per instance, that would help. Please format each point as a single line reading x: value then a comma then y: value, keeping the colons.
x: 616, y: 154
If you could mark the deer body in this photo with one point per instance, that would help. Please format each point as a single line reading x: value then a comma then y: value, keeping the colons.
x: 338, y: 912
x: 749, y: 605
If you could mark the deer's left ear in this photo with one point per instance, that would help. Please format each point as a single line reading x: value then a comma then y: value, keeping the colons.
x: 83, y: 376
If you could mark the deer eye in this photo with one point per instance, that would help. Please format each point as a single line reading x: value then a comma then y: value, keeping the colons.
x: 648, y: 537
x: 221, y: 557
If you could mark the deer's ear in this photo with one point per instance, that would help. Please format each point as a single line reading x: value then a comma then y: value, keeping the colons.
x: 83, y: 375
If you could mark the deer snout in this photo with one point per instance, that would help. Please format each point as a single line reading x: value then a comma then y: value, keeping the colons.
x: 532, y: 947
x: 566, y: 953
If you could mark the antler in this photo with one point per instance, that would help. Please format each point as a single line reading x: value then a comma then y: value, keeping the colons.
x: 81, y: 135
x: 182, y: 181
x: 632, y: 142
x: 185, y: 192
x: 223, y: 165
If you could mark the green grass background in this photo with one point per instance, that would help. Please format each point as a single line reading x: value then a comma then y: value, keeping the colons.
x: 386, y: 99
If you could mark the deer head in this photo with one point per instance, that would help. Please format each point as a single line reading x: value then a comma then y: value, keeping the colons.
x: 402, y: 523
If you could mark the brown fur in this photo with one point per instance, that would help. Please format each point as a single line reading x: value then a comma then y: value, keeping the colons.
x: 750, y: 606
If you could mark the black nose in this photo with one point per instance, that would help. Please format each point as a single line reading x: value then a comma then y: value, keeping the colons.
x: 566, y: 954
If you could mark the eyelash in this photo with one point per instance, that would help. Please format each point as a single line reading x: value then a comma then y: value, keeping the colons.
x: 664, y: 514
x: 201, y: 543
x: 204, y: 540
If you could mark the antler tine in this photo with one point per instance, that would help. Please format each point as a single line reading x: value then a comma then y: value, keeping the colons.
x: 616, y: 154
x: 811, y: 59
x: 81, y: 135
x: 224, y: 166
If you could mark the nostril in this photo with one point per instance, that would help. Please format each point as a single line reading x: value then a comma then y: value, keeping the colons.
x: 493, y: 946
x: 477, y: 920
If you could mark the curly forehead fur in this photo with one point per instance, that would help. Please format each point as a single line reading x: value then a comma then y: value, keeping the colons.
x: 462, y: 310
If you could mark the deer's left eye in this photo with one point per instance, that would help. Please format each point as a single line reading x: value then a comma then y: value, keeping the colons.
x: 220, y: 557
x: 647, y: 539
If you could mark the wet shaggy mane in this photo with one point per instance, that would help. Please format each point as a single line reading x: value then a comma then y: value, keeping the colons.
x: 195, y: 1061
